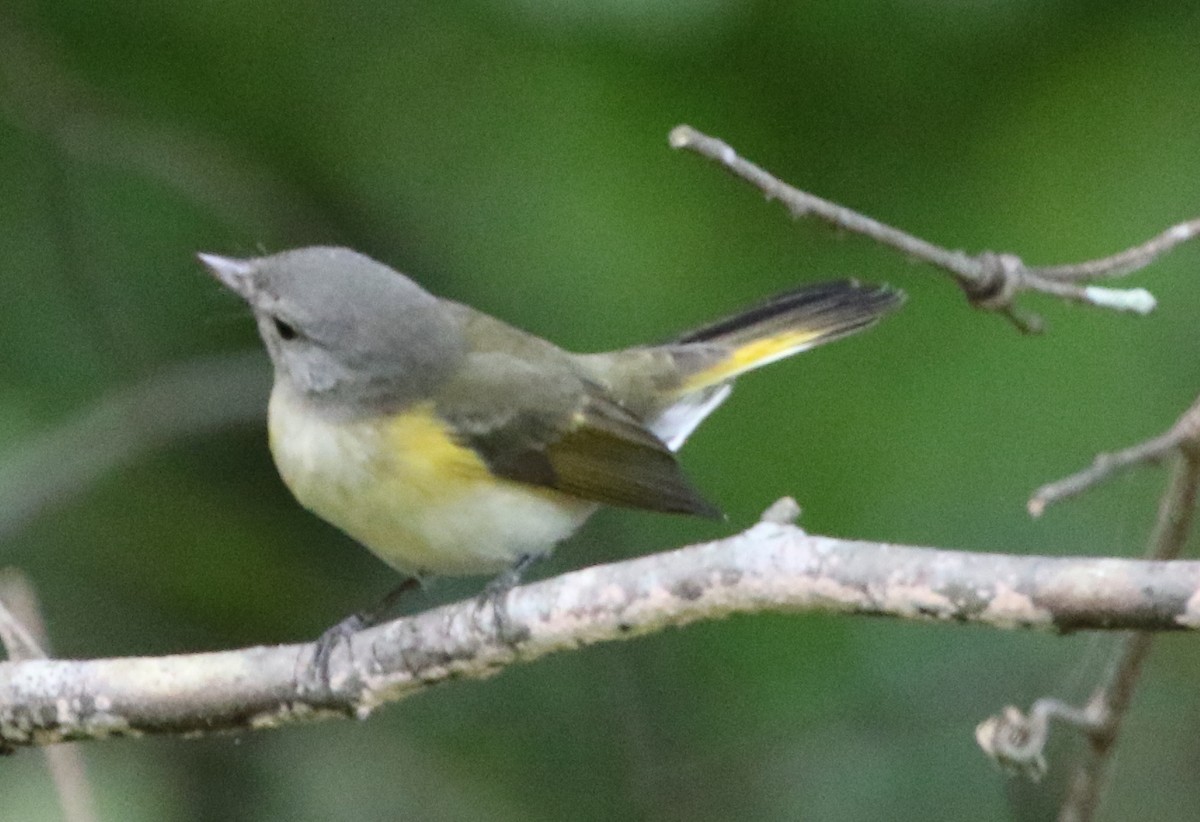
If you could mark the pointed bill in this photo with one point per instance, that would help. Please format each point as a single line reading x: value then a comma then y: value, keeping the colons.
x: 233, y: 273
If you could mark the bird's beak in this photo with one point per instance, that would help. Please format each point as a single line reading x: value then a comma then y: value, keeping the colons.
x: 233, y: 273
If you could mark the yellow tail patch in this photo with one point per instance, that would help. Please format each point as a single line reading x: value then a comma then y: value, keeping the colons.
x: 754, y: 354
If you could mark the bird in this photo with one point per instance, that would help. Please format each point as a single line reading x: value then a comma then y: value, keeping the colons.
x: 448, y: 442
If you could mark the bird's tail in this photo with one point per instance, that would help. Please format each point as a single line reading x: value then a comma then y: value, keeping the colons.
x: 787, y: 324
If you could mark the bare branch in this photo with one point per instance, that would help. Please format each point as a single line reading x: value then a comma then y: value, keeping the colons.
x: 1101, y: 469
x: 802, y: 204
x: 1184, y: 434
x: 990, y: 280
x: 1131, y: 259
x: 771, y: 567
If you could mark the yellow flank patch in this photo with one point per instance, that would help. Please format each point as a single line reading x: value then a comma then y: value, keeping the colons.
x: 430, y: 455
x: 754, y: 354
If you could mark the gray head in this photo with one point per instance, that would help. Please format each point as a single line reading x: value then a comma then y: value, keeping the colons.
x: 342, y: 328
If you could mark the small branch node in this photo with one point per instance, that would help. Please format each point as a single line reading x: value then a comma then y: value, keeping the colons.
x: 681, y: 136
x: 1027, y: 322
x: 999, y: 280
x: 784, y: 511
x: 1187, y: 431
x: 1131, y: 300
x: 1017, y: 741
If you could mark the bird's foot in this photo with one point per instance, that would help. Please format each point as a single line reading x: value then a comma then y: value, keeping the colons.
x: 317, y: 678
x: 494, y: 597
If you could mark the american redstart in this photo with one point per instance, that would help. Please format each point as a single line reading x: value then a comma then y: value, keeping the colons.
x: 448, y: 442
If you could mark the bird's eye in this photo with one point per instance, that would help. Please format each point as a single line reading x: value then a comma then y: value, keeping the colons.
x: 285, y: 330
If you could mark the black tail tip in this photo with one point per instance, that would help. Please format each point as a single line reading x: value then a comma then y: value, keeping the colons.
x: 886, y: 296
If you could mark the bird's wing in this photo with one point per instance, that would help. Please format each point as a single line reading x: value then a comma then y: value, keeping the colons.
x: 548, y: 426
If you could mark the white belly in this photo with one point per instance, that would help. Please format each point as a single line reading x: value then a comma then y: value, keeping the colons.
x: 420, y: 504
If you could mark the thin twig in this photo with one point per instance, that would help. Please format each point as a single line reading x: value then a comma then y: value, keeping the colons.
x: 1124, y: 262
x: 802, y: 204
x: 1185, y: 430
x: 1101, y: 469
x: 990, y: 280
x: 770, y: 567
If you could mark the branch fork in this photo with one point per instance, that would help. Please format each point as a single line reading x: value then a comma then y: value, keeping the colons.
x: 990, y: 280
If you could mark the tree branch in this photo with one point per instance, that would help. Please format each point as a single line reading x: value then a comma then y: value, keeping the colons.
x: 772, y: 566
x: 990, y: 280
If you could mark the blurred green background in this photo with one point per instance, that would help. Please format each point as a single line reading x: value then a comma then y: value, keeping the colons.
x: 513, y: 155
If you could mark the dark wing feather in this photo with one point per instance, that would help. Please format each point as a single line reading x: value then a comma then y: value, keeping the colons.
x: 554, y: 429
x: 608, y: 456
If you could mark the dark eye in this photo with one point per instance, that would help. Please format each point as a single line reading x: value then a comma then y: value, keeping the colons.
x: 285, y: 330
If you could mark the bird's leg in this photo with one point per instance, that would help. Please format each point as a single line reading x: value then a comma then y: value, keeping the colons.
x: 495, y: 596
x: 318, y: 670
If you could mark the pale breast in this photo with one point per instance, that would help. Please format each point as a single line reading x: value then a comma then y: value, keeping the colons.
x: 413, y: 496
